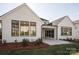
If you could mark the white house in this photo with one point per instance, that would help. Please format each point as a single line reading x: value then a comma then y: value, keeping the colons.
x: 22, y: 22
x: 61, y: 28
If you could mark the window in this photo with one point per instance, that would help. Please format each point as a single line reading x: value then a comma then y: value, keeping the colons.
x: 24, y: 28
x: 32, y: 29
x: 15, y: 28
x: 49, y: 33
x: 66, y: 31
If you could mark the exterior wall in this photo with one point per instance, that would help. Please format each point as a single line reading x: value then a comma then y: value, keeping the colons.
x: 66, y: 23
x: 22, y: 14
x: 77, y: 31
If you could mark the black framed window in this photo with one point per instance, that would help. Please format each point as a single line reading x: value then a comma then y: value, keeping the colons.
x: 24, y: 28
x: 32, y: 28
x: 66, y: 31
x: 15, y: 28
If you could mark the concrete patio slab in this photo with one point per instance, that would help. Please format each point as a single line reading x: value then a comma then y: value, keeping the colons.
x: 55, y: 42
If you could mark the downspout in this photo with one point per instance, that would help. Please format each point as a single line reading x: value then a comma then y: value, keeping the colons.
x: 41, y: 31
x: 57, y: 33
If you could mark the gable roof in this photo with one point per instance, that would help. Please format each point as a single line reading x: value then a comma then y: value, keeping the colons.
x: 76, y: 22
x: 18, y: 7
x: 56, y: 22
x: 12, y: 10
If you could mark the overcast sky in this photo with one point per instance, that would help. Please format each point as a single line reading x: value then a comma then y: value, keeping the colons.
x: 49, y: 11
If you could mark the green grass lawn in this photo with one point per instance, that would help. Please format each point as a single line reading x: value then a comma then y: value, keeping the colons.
x: 65, y: 49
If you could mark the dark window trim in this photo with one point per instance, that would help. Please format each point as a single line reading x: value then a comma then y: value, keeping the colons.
x: 67, y: 34
x: 20, y: 29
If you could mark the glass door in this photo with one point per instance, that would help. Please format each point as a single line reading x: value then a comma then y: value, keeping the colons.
x: 49, y: 33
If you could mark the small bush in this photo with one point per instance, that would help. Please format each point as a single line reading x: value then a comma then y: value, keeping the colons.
x: 25, y: 42
x: 38, y: 41
x: 16, y: 41
x: 64, y: 39
x: 4, y: 41
x: 71, y: 39
x: 60, y: 39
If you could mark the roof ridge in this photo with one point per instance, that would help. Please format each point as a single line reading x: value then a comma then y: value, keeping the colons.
x: 76, y: 21
x: 61, y: 17
x: 57, y: 21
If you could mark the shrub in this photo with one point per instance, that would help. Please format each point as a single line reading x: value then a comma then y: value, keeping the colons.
x: 71, y: 39
x: 67, y: 39
x: 16, y: 41
x: 4, y: 41
x: 38, y: 41
x: 60, y: 39
x: 25, y: 42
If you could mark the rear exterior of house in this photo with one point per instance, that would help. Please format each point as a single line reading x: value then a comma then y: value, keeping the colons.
x: 66, y: 28
x: 22, y: 22
x: 61, y: 28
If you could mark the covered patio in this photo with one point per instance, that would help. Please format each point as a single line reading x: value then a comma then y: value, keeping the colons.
x: 49, y: 32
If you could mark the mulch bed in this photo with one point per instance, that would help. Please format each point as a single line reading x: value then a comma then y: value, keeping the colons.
x: 19, y: 46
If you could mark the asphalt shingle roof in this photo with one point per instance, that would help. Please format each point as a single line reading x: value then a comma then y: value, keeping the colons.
x: 57, y: 21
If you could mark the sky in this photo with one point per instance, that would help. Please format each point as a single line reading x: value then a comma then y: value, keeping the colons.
x: 49, y: 11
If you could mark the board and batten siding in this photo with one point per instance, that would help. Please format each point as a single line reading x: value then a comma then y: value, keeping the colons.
x: 77, y: 31
x: 66, y: 23
x: 22, y: 13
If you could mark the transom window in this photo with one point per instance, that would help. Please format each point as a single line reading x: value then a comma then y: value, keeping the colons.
x: 66, y: 31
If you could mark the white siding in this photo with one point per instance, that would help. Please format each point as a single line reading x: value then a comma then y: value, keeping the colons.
x: 77, y: 31
x: 65, y: 23
x: 22, y: 14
